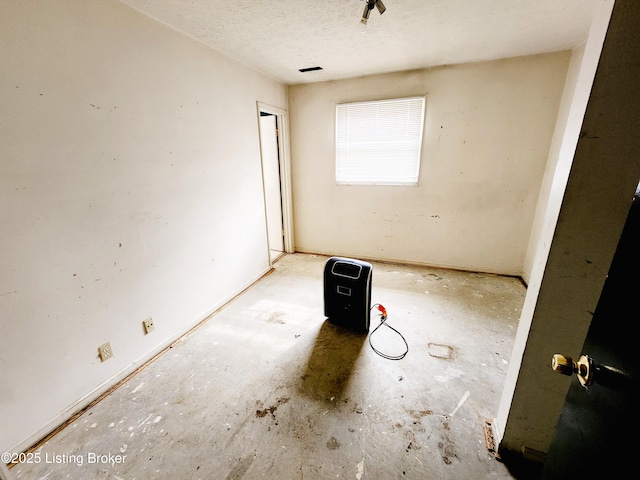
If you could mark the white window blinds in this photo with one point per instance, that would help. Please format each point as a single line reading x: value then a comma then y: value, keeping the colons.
x: 379, y: 142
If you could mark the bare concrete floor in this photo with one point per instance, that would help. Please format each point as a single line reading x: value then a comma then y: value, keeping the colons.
x: 268, y: 389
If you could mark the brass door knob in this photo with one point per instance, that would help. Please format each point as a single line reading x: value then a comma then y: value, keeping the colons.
x: 562, y: 364
x: 583, y: 368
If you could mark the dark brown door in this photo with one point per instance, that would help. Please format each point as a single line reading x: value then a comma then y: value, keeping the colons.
x: 597, y: 434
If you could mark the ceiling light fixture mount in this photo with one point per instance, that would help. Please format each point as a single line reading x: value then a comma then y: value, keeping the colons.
x: 369, y: 4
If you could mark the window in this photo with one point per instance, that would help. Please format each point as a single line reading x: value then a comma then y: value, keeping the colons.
x: 379, y: 142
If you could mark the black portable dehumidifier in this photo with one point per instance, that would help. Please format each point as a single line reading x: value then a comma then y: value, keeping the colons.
x: 347, y: 293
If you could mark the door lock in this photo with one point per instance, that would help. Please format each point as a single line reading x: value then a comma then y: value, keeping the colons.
x: 583, y: 368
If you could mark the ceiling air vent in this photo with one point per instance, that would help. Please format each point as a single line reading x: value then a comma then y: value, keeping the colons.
x: 310, y: 69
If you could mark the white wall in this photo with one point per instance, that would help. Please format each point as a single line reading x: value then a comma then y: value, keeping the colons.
x: 130, y: 186
x: 487, y: 137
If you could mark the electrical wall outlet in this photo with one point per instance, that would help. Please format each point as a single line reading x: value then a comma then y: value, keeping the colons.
x: 105, y: 352
x: 148, y: 325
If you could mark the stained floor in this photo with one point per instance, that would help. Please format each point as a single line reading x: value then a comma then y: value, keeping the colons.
x: 267, y: 388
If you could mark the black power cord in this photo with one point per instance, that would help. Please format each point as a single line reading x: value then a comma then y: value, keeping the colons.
x: 383, y: 321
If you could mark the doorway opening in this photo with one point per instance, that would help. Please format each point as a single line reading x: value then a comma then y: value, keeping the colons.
x: 276, y: 179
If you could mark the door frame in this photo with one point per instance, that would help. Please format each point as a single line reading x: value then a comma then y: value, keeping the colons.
x: 285, y: 171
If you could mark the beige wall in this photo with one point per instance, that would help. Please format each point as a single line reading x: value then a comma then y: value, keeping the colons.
x: 130, y: 185
x: 563, y: 144
x: 487, y: 136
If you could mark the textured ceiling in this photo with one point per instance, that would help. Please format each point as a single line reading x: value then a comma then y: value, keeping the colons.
x: 279, y: 37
